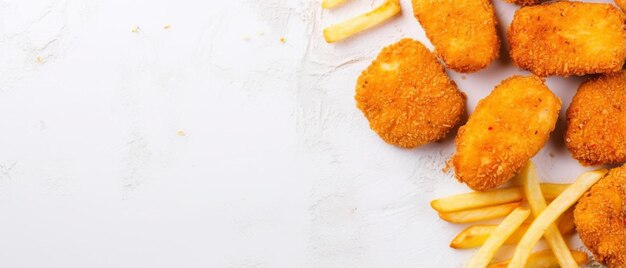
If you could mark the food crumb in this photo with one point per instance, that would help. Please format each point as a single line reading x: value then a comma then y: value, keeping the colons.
x: 261, y: 33
x: 282, y: 40
x: 39, y: 59
x: 551, y: 154
x: 181, y: 133
x: 463, y: 77
x: 135, y: 29
x: 246, y: 38
x: 167, y: 26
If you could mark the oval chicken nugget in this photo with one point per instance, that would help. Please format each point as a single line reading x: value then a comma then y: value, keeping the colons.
x: 407, y: 96
x: 463, y: 32
x: 596, y: 121
x: 568, y: 38
x: 600, y: 216
x: 507, y: 128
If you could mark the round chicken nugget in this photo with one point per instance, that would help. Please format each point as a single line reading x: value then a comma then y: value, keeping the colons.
x: 463, y: 32
x: 407, y: 96
x: 507, y: 128
x: 596, y: 121
x: 600, y: 216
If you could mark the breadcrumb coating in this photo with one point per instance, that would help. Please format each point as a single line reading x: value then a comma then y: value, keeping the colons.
x: 407, y: 96
x: 568, y: 38
x: 463, y: 32
x: 507, y: 128
x: 596, y: 121
x: 526, y: 2
x: 621, y: 3
x: 599, y: 217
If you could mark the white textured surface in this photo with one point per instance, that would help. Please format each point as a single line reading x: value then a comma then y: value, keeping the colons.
x: 277, y: 167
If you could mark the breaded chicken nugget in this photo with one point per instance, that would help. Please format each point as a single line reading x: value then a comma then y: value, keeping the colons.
x: 621, y: 3
x: 596, y: 121
x: 600, y: 216
x: 463, y: 32
x: 568, y: 38
x: 526, y: 2
x: 507, y: 128
x: 407, y: 96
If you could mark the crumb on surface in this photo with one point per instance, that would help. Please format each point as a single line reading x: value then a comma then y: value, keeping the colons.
x: 246, y: 38
x: 181, y: 133
x: 135, y: 29
x: 282, y: 40
x: 39, y: 59
x: 167, y: 26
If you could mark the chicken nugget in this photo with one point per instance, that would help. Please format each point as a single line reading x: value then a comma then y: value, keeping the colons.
x: 463, y: 32
x: 507, y: 128
x: 600, y: 216
x: 526, y: 2
x: 568, y: 38
x: 407, y: 96
x: 596, y: 121
x: 621, y: 3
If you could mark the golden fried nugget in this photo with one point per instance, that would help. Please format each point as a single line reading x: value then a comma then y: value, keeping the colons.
x: 407, y: 96
x: 568, y: 38
x: 621, y: 3
x: 596, y: 121
x: 526, y: 2
x: 463, y: 32
x: 507, y: 128
x: 600, y: 219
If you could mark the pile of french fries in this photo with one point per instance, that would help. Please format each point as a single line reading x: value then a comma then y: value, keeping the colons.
x: 359, y: 23
x: 522, y: 226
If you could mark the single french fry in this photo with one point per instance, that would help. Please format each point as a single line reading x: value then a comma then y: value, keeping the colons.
x: 362, y: 22
x: 551, y: 213
x: 498, y: 237
x: 479, y: 214
x: 530, y: 183
x: 545, y: 259
x: 491, y: 198
x: 332, y: 3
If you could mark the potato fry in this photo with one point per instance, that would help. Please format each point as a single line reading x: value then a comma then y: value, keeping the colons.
x: 498, y: 237
x: 545, y: 259
x: 479, y: 214
x: 532, y: 191
x: 362, y: 22
x: 476, y: 235
x: 332, y: 3
x: 551, y: 213
x: 491, y: 198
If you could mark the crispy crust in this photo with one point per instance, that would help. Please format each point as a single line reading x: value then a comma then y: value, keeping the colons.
x: 526, y: 2
x: 599, y: 218
x: 568, y: 38
x: 596, y: 121
x: 463, y: 32
x: 507, y: 128
x: 621, y: 4
x: 407, y: 96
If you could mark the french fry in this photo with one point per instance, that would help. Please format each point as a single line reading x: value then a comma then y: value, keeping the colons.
x: 551, y: 213
x: 491, y: 198
x: 476, y: 235
x: 532, y: 191
x: 362, y: 22
x: 479, y: 214
x: 332, y: 3
x: 498, y: 237
x: 545, y: 259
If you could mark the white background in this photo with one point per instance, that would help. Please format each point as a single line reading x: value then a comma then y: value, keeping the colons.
x: 276, y: 167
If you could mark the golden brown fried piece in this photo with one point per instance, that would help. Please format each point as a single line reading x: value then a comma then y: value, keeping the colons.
x: 621, y: 3
x: 407, y: 96
x: 507, y: 128
x: 568, y: 38
x: 600, y: 216
x: 463, y: 32
x: 596, y: 121
x: 526, y: 2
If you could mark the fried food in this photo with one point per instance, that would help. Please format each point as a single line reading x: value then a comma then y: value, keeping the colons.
x: 621, y: 3
x: 568, y: 38
x: 407, y: 96
x: 362, y: 22
x: 596, y: 121
x: 600, y: 218
x: 526, y: 2
x: 479, y: 214
x: 507, y: 128
x: 504, y: 230
x: 332, y: 3
x: 551, y: 214
x: 463, y: 32
x: 545, y: 259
